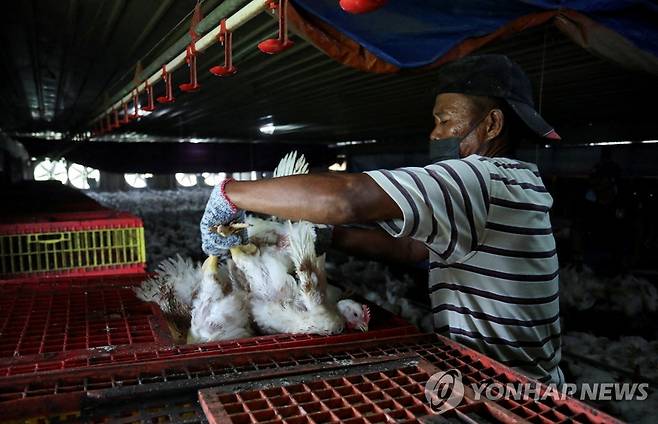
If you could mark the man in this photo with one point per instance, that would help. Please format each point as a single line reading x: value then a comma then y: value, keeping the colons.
x: 482, y: 220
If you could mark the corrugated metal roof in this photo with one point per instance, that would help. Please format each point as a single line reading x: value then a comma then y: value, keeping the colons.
x: 62, y: 58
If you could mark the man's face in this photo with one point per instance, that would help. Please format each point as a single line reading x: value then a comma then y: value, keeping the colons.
x: 454, y: 116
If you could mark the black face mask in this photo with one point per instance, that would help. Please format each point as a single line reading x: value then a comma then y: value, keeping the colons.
x: 448, y: 148
x: 444, y: 149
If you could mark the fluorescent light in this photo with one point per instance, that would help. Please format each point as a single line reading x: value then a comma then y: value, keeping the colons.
x: 610, y: 143
x: 622, y: 142
x: 353, y: 143
x: 267, y: 128
x: 338, y: 166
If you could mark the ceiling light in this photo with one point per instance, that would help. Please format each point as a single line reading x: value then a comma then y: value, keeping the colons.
x: 339, y: 166
x: 267, y: 129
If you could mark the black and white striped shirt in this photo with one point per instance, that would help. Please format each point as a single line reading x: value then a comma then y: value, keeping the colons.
x: 493, y: 264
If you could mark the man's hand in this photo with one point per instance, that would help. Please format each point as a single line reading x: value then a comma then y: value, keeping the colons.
x: 220, y: 212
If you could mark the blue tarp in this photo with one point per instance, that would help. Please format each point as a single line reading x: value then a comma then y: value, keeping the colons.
x: 415, y: 33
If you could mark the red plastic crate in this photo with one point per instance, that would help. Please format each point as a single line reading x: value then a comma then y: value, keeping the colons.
x: 356, y: 370
x: 383, y: 325
x: 100, y: 242
x: 73, y: 317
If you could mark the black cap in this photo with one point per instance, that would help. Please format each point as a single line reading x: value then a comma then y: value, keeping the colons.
x: 495, y: 75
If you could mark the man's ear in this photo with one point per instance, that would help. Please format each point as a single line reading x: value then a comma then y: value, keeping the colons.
x: 494, y: 124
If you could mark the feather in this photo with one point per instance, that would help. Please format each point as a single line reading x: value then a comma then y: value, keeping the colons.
x: 179, y: 277
x: 220, y: 310
x: 172, y: 288
x: 266, y: 231
x: 312, y: 280
x: 286, y: 278
x: 291, y: 165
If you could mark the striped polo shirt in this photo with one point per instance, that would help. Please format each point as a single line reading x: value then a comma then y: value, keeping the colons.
x: 493, y: 265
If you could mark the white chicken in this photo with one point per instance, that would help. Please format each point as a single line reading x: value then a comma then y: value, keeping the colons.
x: 220, y: 310
x: 173, y: 288
x: 201, y: 304
x: 280, y: 303
x: 277, y: 280
x: 287, y: 279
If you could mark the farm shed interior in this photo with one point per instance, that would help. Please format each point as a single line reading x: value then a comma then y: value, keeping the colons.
x: 353, y: 92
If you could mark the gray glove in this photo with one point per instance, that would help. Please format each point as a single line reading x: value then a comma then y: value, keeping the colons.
x: 220, y: 212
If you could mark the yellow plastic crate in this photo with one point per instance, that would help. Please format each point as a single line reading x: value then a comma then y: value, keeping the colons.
x: 91, y: 243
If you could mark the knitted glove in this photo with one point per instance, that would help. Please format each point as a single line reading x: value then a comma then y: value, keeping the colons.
x: 220, y: 211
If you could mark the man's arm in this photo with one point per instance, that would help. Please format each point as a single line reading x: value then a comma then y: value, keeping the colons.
x: 377, y: 244
x: 321, y: 198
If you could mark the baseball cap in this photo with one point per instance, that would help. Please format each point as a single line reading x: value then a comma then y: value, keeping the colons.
x: 495, y: 75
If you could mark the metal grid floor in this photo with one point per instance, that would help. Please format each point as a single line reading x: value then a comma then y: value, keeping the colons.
x: 404, y: 363
x: 56, y: 320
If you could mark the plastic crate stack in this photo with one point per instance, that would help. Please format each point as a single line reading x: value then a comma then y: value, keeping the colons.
x: 101, y: 242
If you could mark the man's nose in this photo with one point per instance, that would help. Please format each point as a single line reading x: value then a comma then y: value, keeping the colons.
x: 436, y: 133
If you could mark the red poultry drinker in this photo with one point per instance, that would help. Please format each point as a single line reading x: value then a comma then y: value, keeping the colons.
x: 169, y: 92
x: 225, y: 37
x: 150, y: 105
x: 190, y: 58
x: 277, y: 45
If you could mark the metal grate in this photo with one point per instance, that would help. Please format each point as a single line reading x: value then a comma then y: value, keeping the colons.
x: 389, y: 396
x: 172, y: 409
x: 42, y: 320
x: 66, y: 390
x: 394, y: 395
x: 383, y: 324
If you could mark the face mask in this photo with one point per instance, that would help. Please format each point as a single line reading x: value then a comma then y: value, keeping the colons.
x: 444, y: 149
x: 448, y: 148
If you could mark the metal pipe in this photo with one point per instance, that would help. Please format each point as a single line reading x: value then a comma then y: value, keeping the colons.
x: 239, y: 18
